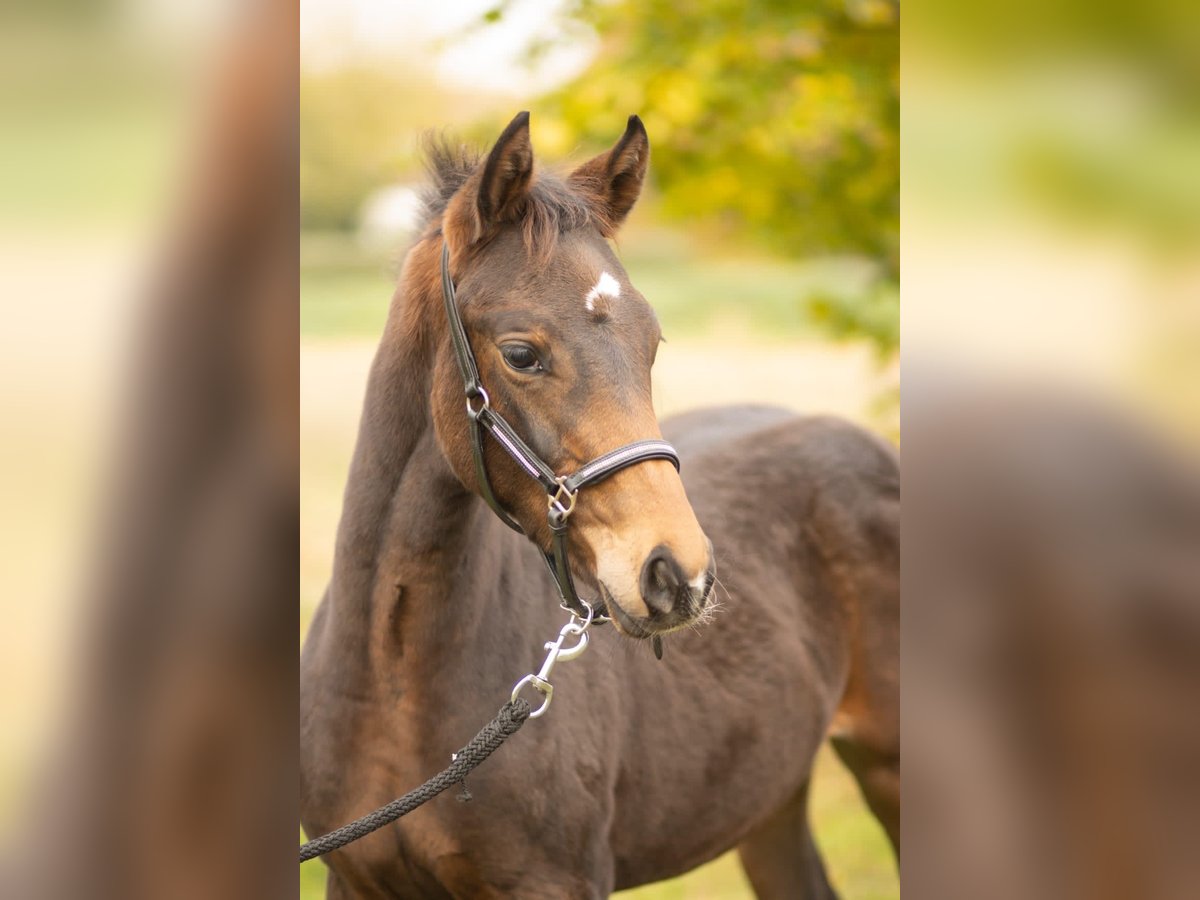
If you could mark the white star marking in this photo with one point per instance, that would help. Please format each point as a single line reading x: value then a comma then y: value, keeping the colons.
x: 606, y: 286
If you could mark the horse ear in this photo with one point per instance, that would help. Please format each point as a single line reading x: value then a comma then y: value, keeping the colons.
x: 507, y: 174
x: 613, y: 180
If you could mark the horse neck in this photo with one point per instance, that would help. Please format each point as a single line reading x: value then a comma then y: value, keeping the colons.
x: 406, y: 520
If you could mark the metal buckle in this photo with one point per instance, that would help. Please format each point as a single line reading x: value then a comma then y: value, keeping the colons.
x: 477, y: 391
x: 540, y: 682
x: 597, y: 618
x: 555, y: 500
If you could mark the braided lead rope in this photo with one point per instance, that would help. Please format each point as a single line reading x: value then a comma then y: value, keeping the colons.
x: 510, y: 718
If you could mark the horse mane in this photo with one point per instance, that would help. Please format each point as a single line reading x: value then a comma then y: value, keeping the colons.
x: 552, y: 206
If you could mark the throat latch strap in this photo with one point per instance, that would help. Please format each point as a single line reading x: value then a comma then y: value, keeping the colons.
x: 562, y: 491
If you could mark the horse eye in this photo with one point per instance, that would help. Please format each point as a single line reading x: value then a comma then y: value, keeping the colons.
x: 521, y: 357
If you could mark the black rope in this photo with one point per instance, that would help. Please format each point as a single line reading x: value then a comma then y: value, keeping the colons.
x: 511, y: 717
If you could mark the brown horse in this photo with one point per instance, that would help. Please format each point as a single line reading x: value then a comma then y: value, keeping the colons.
x: 643, y: 769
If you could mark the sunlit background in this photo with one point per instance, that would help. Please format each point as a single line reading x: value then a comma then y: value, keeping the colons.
x: 147, y: 359
x: 95, y: 113
x: 1051, y: 332
x: 767, y: 240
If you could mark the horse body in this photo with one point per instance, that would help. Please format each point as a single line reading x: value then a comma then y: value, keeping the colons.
x: 642, y: 769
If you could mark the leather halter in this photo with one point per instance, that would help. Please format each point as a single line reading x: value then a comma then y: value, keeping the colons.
x: 561, y: 490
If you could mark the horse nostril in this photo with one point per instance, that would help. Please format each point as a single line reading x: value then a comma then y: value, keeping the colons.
x: 661, y: 581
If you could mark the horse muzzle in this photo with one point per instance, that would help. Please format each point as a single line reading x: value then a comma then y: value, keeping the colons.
x: 671, y: 601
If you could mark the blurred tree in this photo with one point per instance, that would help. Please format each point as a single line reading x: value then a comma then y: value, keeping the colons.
x: 777, y: 120
x: 359, y: 125
x: 355, y: 139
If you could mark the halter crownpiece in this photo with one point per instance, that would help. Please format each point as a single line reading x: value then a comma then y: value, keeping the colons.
x: 562, y: 491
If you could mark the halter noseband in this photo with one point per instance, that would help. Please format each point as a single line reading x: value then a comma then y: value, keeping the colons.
x: 561, y: 490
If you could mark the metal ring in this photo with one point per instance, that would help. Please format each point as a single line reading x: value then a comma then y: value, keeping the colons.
x: 477, y: 391
x: 584, y: 622
x: 591, y: 614
x: 555, y: 500
x: 543, y: 687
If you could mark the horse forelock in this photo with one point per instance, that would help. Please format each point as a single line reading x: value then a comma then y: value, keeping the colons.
x: 551, y: 207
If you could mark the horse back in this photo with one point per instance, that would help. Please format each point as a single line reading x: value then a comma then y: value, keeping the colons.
x: 814, y: 500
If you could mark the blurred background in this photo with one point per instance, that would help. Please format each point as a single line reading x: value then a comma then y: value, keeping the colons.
x: 767, y: 241
x: 1052, y: 395
x: 1052, y: 198
x: 95, y: 113
x: 1051, y: 413
x: 148, y: 412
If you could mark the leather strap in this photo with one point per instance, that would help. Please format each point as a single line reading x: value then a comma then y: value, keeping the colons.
x: 524, y: 455
x: 458, y: 334
x: 614, y: 461
x: 561, y: 491
x: 485, y: 484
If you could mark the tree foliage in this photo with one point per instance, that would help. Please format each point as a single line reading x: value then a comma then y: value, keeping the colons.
x: 772, y: 120
x: 775, y: 118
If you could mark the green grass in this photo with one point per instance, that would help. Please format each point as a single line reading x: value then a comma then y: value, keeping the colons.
x: 701, y: 295
x: 312, y: 879
x: 344, y: 303
x: 345, y: 293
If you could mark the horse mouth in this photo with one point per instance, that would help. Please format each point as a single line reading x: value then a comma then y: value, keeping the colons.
x: 621, y: 620
x: 641, y: 628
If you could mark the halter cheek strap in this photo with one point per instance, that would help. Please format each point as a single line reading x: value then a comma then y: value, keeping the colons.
x: 562, y: 491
